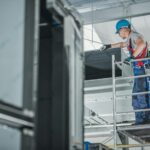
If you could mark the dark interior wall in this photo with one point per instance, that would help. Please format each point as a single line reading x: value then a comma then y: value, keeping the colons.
x: 52, y: 117
x: 99, y: 64
x: 52, y: 106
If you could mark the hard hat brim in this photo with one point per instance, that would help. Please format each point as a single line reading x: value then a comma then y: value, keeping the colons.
x: 121, y: 28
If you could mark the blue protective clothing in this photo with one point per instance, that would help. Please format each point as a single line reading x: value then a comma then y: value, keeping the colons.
x: 140, y: 85
x: 140, y: 101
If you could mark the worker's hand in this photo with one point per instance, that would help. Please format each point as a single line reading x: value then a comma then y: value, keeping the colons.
x: 105, y: 47
x: 127, y: 60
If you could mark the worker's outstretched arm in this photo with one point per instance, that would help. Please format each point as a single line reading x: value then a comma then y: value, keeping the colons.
x: 140, y: 46
x: 119, y: 45
x: 115, y: 45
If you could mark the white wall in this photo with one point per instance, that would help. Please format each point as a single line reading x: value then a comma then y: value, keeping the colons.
x: 10, y: 139
x: 106, y: 31
x: 91, y: 38
x: 11, y: 50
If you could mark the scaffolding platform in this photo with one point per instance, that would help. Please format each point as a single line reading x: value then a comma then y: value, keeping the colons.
x: 98, y: 146
x: 140, y: 133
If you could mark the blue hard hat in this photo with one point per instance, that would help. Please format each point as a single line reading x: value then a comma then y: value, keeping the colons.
x: 122, y: 24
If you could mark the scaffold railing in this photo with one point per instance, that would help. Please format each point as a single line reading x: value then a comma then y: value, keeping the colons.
x: 115, y: 146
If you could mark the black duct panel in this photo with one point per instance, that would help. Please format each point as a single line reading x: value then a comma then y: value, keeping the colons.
x: 99, y: 64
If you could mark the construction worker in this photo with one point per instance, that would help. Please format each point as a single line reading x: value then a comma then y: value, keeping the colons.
x: 138, y: 48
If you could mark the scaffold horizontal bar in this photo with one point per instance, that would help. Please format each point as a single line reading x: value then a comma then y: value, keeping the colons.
x: 132, y: 77
x: 134, y: 60
x: 134, y: 94
x: 108, y: 125
x: 129, y: 146
x: 133, y: 111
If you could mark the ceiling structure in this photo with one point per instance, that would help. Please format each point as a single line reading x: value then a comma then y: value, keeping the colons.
x: 96, y: 11
x: 103, y: 15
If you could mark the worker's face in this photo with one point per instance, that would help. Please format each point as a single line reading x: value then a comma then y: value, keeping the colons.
x: 124, y: 33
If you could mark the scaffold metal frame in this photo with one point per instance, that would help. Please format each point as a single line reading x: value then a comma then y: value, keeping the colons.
x: 123, y: 129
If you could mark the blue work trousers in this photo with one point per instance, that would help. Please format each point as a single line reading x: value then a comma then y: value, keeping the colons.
x: 140, y: 101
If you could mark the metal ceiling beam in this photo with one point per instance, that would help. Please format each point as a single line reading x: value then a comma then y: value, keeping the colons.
x: 114, y: 13
x: 84, y: 6
x: 98, y: 134
x: 100, y: 3
x: 81, y: 2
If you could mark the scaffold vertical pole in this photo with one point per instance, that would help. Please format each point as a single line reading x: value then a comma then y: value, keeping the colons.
x: 114, y: 103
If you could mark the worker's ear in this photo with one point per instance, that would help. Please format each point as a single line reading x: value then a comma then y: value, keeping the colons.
x: 129, y: 26
x: 128, y: 29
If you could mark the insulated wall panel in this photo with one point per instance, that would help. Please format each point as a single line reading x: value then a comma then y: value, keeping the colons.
x: 11, y: 50
x: 10, y: 139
